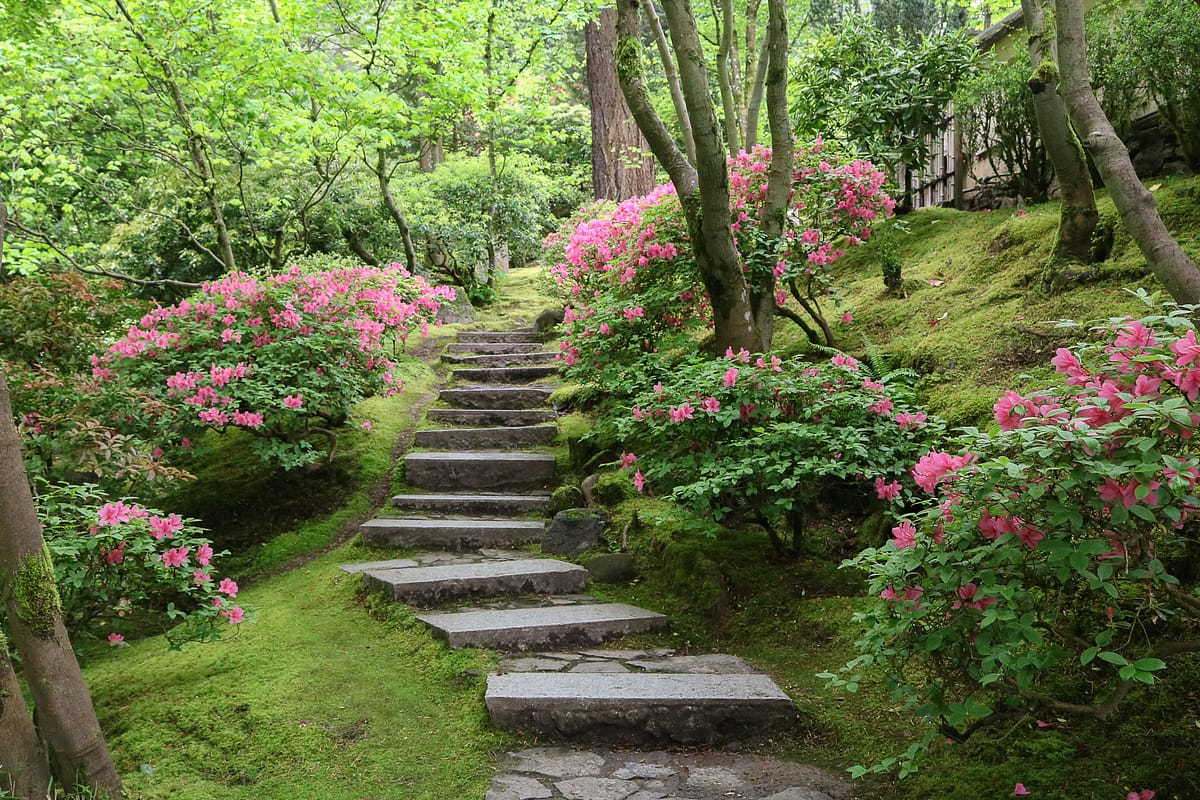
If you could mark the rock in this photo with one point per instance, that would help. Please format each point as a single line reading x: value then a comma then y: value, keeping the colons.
x: 517, y: 787
x: 596, y: 789
x: 588, y: 488
x: 574, y: 531
x: 799, y: 793
x: 565, y: 497
x: 557, y: 762
x: 613, y: 488
x: 547, y: 321
x: 457, y: 310
x: 612, y: 568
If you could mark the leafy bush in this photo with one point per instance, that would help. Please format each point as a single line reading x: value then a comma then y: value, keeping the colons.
x: 1049, y: 562
x: 765, y: 439
x: 120, y: 565
x: 283, y: 358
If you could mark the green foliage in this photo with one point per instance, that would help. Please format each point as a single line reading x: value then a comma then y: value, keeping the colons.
x: 994, y: 109
x: 1056, y: 562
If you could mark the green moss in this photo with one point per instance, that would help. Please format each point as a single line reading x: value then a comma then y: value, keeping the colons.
x: 36, y: 593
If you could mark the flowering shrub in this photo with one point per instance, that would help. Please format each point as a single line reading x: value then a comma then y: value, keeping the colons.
x: 118, y: 563
x: 284, y: 357
x: 1055, y: 550
x: 766, y: 438
x: 631, y: 286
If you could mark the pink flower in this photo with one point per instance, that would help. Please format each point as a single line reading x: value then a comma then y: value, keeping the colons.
x: 634, y: 313
x: 681, y: 413
x: 365, y: 425
x: 628, y: 460
x: 204, y: 554
x: 847, y: 318
x: 294, y: 401
x: 175, y: 557
x: 165, y: 527
x: 228, y: 587
x: 730, y: 377
x: 116, y: 640
x: 236, y: 615
x: 845, y: 361
x: 200, y: 577
x: 905, y: 535
x: 906, y: 419
x: 639, y: 481
x: 887, y: 491
x: 936, y: 467
x: 114, y: 556
x: 1020, y: 790
x: 658, y: 388
x: 115, y: 513
x: 1144, y: 794
x: 712, y: 405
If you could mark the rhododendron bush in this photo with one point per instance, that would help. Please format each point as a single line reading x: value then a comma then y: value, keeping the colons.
x: 285, y: 357
x: 764, y: 439
x: 1057, y: 549
x: 632, y: 289
x: 121, y: 566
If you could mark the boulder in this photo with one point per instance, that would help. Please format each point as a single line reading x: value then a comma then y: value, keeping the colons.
x: 612, y: 568
x: 565, y: 497
x: 574, y: 531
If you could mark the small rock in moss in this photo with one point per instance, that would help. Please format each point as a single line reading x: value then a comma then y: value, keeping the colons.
x: 565, y: 497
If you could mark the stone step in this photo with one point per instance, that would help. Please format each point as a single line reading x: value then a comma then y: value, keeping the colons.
x: 498, y: 337
x: 486, y: 438
x: 485, y: 578
x: 505, y: 374
x: 639, y: 707
x: 546, y: 626
x: 490, y: 470
x: 497, y: 396
x: 490, y: 416
x: 503, y: 359
x: 493, y: 347
x: 449, y: 534
x: 492, y: 504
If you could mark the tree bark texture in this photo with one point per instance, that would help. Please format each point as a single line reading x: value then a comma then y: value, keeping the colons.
x: 672, y: 76
x: 389, y: 202
x: 24, y: 770
x: 622, y: 164
x: 65, y: 712
x: 725, y: 52
x: 1165, y: 258
x: 1078, y: 217
x: 703, y: 188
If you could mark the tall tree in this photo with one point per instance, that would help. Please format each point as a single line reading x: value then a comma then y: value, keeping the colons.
x: 622, y: 165
x: 65, y: 713
x: 703, y: 187
x: 1165, y: 258
x: 1078, y: 216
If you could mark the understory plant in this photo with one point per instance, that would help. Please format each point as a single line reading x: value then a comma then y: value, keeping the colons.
x: 1048, y: 564
x: 284, y: 358
x: 763, y: 439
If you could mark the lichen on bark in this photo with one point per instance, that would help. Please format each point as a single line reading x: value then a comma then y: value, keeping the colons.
x: 36, y: 593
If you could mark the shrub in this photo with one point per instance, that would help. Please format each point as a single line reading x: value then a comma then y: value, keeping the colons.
x: 1049, y: 562
x: 284, y: 358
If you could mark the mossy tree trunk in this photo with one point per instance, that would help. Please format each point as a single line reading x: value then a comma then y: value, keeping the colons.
x: 1165, y: 258
x: 66, y: 716
x: 1078, y: 217
x: 703, y: 187
x: 24, y: 770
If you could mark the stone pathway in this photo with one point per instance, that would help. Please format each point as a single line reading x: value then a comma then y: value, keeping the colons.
x: 486, y: 494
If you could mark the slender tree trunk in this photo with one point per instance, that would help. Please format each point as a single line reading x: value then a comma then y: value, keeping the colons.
x: 672, y: 75
x: 622, y: 164
x: 1078, y: 217
x: 703, y: 188
x: 65, y: 712
x: 750, y: 72
x: 3, y: 230
x: 1165, y: 258
x: 359, y: 249
x: 754, y: 102
x: 24, y: 770
x: 729, y: 105
x: 389, y: 202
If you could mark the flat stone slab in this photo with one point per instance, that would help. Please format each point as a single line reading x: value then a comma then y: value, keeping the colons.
x: 484, y: 337
x: 638, y: 707
x: 433, y: 584
x: 503, y: 359
x: 493, y: 347
x: 460, y: 534
x: 486, y: 438
x: 489, y: 504
x: 497, y: 396
x: 504, y: 374
x: 549, y: 626
x: 490, y: 416
x: 561, y: 773
x: 490, y: 470
x: 395, y: 563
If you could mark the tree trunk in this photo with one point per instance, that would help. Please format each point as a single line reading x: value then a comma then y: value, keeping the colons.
x: 703, y: 188
x: 65, y: 712
x: 750, y: 73
x: 672, y: 76
x: 755, y: 96
x: 622, y: 165
x: 3, y: 230
x: 1165, y: 258
x: 1078, y: 217
x: 729, y: 106
x: 389, y: 202
x: 24, y: 770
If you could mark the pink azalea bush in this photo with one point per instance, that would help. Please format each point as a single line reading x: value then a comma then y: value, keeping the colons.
x: 121, y: 565
x: 631, y: 289
x: 765, y: 437
x: 1055, y: 549
x: 284, y: 358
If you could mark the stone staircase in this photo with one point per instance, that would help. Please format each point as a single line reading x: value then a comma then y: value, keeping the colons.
x: 486, y: 495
